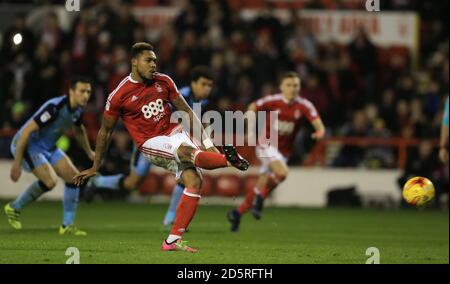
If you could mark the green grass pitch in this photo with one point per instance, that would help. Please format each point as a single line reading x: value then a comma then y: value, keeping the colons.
x: 131, y: 233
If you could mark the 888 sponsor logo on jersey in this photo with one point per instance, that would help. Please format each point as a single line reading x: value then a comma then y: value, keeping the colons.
x: 154, y: 110
x: 284, y: 127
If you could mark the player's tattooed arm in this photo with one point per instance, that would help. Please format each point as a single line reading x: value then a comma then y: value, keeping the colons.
x: 180, y: 103
x: 82, y: 140
x: 16, y: 169
x: 102, y: 143
x: 319, y: 129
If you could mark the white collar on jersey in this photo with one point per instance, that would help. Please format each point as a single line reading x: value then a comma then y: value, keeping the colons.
x: 285, y: 100
x: 131, y: 79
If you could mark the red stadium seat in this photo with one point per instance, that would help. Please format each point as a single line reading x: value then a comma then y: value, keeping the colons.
x: 228, y: 185
x: 151, y: 184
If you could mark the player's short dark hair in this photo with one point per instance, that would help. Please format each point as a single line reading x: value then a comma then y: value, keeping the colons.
x: 78, y: 79
x: 289, y: 74
x: 139, y: 47
x: 199, y: 72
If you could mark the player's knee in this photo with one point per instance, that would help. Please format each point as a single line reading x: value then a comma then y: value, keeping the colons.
x: 185, y: 153
x: 198, y: 184
x: 195, y: 183
x: 192, y: 180
x: 47, y: 185
x: 281, y: 176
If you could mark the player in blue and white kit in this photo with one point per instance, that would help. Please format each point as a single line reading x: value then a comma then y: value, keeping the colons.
x: 198, y: 92
x: 34, y: 150
x: 443, y: 152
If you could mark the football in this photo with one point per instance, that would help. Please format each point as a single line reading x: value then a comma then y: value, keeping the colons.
x: 418, y: 191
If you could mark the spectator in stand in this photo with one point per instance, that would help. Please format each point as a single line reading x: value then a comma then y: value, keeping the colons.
x: 47, y: 74
x: 380, y: 156
x: 353, y: 156
x: 52, y: 34
x: 364, y: 56
x: 244, y: 54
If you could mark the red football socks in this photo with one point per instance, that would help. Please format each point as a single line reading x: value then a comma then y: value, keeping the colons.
x: 270, y: 185
x: 273, y: 181
x: 210, y: 160
x: 185, y: 211
x: 248, y: 202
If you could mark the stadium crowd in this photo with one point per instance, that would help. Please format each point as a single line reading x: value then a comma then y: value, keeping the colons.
x: 357, y: 88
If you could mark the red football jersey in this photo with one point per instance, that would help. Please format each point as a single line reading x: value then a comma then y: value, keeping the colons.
x: 144, y: 108
x: 289, y: 117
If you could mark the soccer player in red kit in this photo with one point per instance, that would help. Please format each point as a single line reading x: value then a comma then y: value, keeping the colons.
x: 291, y: 108
x: 144, y: 100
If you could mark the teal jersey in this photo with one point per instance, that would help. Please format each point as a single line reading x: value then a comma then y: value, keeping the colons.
x: 54, y: 117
